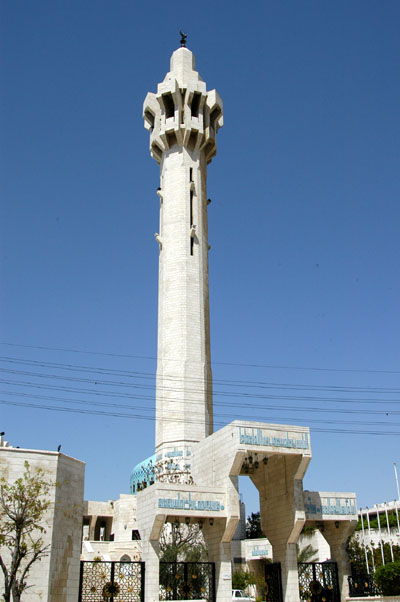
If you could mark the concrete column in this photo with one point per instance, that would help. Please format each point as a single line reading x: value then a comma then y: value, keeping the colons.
x: 150, y: 525
x: 92, y: 527
x: 286, y: 554
x: 220, y: 553
x: 336, y: 534
x: 282, y: 514
x: 150, y: 555
x: 109, y: 522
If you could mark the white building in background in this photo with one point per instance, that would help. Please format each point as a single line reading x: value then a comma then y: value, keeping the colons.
x: 56, y: 576
x: 380, y: 530
x: 110, y: 531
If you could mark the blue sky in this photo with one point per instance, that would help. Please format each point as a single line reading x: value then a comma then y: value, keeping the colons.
x: 303, y: 225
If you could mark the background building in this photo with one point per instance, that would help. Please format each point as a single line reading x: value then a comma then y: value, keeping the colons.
x: 55, y: 578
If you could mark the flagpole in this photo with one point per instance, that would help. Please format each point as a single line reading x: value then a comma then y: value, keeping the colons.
x: 380, y: 533
x: 397, y: 516
x: 364, y: 542
x: 397, y: 480
x: 370, y: 544
x: 389, y: 534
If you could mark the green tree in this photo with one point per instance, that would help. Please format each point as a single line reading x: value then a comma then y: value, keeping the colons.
x: 356, y: 556
x: 182, y: 543
x: 306, y: 554
x: 308, y: 531
x: 23, y: 505
x: 253, y: 526
x: 241, y: 579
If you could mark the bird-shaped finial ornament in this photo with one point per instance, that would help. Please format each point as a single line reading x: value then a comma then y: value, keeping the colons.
x: 183, y: 38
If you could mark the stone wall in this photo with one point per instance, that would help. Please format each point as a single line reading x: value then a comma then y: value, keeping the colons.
x: 67, y: 530
x: 124, y: 518
x: 56, y: 577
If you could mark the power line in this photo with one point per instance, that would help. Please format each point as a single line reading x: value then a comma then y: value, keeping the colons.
x: 219, y: 415
x: 236, y: 383
x: 191, y: 392
x: 187, y: 401
x: 217, y: 393
x: 249, y: 365
x: 145, y: 381
x: 140, y: 417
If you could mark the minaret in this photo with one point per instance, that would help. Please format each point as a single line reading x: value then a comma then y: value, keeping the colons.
x: 183, y: 119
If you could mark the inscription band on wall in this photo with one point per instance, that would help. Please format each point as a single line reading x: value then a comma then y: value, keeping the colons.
x: 187, y: 503
x: 258, y: 436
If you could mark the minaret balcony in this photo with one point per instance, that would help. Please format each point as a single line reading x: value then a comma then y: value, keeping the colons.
x: 182, y: 113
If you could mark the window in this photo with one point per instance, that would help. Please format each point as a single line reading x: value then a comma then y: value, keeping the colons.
x: 168, y: 105
x: 171, y: 139
x: 195, y: 104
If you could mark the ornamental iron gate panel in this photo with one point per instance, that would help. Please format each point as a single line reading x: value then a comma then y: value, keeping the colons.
x: 273, y: 580
x: 319, y: 582
x: 111, y: 581
x: 362, y: 585
x: 187, y: 581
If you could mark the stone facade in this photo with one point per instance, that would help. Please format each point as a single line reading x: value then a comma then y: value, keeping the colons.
x: 56, y: 577
x: 183, y: 118
x: 193, y: 477
x: 110, y: 530
x: 196, y: 470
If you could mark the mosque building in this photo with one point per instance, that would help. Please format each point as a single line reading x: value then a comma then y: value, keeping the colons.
x: 193, y: 475
x: 192, y: 478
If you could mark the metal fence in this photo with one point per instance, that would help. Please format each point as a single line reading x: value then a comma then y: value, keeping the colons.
x: 111, y: 581
x: 187, y: 581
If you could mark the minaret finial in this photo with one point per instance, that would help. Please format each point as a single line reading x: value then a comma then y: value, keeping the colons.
x: 183, y: 38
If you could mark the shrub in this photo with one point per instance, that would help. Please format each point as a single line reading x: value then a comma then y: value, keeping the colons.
x: 241, y: 579
x: 388, y: 578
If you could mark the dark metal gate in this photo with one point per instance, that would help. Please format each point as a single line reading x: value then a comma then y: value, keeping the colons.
x: 273, y: 580
x: 319, y: 582
x: 187, y: 581
x: 362, y: 585
x: 111, y: 581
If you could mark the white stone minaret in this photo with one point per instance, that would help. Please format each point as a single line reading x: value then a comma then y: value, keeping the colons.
x: 183, y: 119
